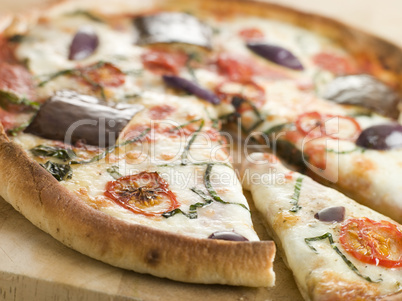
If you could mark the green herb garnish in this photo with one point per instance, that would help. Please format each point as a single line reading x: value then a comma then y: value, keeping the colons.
x: 347, y: 261
x: 60, y: 171
x: 345, y: 152
x: 114, y: 172
x: 296, y: 195
x: 112, y: 148
x: 7, y: 98
x: 192, y: 214
x: 85, y: 14
x: 52, y: 151
x: 211, y: 190
x: 184, y: 155
x: 79, y: 72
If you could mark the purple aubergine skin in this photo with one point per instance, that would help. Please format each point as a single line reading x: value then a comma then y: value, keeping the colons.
x: 331, y: 214
x: 276, y: 54
x: 381, y: 137
x: 84, y: 43
x: 78, y: 117
x: 191, y: 88
x: 227, y: 235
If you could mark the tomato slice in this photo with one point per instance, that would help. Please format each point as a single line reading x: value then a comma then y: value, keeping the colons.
x: 105, y: 75
x: 372, y: 242
x: 250, y: 91
x: 144, y: 193
x: 251, y: 33
x: 334, y: 63
x: 164, y: 62
x: 235, y: 68
x: 314, y: 125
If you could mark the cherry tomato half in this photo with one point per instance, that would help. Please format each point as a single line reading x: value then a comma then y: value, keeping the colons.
x: 250, y: 91
x: 314, y: 125
x: 251, y: 33
x: 372, y: 242
x: 335, y: 63
x: 105, y: 75
x: 164, y: 62
x: 144, y: 193
x: 235, y: 68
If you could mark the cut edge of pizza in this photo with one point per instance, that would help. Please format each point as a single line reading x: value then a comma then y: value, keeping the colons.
x: 32, y: 191
x: 336, y: 248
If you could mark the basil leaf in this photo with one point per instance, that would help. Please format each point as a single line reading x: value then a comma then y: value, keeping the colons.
x: 51, y: 151
x: 347, y: 261
x: 7, y: 98
x: 60, y: 171
x: 114, y: 172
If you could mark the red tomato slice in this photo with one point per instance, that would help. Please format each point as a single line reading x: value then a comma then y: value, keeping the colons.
x: 164, y: 62
x: 7, y: 50
x: 372, y: 242
x: 250, y: 91
x: 334, y: 63
x: 235, y: 68
x: 105, y: 75
x: 16, y: 79
x: 314, y: 125
x: 160, y: 112
x: 144, y: 193
x: 251, y: 34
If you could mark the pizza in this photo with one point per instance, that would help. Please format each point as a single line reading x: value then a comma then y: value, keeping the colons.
x: 340, y: 254
x: 119, y: 122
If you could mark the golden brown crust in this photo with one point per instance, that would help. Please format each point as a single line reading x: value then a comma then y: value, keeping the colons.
x: 54, y: 209
x: 51, y: 207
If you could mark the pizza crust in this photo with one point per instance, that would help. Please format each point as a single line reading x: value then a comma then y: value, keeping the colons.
x: 48, y: 205
x: 62, y: 214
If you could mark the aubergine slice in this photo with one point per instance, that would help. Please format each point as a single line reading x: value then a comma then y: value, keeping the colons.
x: 363, y: 90
x: 172, y: 27
x: 69, y: 117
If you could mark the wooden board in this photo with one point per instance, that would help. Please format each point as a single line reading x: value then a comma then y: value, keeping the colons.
x: 34, y: 266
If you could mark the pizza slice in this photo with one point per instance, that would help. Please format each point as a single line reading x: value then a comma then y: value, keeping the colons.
x: 135, y: 178
x: 154, y: 202
x: 336, y: 248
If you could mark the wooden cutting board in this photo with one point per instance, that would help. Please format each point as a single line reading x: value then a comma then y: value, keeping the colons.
x: 34, y: 266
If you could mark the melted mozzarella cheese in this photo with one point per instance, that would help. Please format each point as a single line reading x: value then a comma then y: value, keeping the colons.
x: 273, y: 195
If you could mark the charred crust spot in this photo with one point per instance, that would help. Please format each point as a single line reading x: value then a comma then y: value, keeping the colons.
x: 153, y: 257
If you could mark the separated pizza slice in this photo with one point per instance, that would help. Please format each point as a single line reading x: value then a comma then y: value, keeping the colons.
x: 336, y: 248
x: 136, y: 186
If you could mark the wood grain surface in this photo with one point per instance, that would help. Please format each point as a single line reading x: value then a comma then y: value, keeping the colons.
x: 34, y: 266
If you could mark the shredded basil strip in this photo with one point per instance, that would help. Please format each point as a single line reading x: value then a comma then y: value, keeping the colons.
x: 192, y: 214
x: 195, y: 164
x: 184, y: 125
x: 256, y: 112
x: 59, y: 171
x: 211, y: 190
x: 184, y: 155
x: 296, y: 195
x: 52, y: 151
x: 277, y: 128
x: 78, y: 72
x: 347, y: 261
x: 85, y: 14
x: 7, y: 98
x: 114, y: 172
x: 345, y: 152
x: 112, y: 148
x: 16, y: 130
x: 192, y: 57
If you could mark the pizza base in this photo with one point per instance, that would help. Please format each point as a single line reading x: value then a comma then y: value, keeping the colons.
x: 37, y: 195
x: 320, y: 282
x: 62, y: 214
